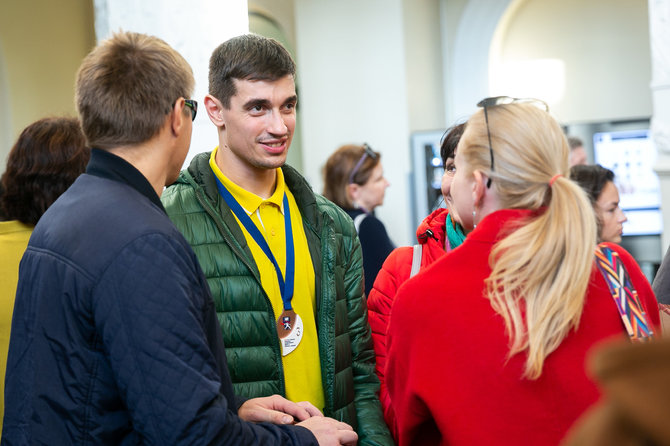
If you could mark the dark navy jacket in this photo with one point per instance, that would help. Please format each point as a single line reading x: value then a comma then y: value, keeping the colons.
x: 114, y: 336
x: 375, y: 243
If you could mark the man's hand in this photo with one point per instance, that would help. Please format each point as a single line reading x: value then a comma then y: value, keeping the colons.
x: 330, y: 432
x: 277, y: 410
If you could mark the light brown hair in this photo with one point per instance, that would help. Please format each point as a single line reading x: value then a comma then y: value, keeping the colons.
x: 127, y: 86
x: 338, y: 169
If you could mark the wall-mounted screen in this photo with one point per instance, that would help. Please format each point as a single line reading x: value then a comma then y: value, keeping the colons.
x: 631, y: 155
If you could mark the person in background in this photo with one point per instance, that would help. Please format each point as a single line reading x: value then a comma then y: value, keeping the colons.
x: 437, y: 234
x: 283, y: 263
x: 354, y: 180
x: 577, y: 153
x: 114, y: 336
x: 598, y: 183
x: 45, y: 160
x: 497, y: 356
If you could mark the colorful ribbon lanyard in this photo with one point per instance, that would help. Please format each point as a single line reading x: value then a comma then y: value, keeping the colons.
x: 285, y: 286
x: 624, y: 294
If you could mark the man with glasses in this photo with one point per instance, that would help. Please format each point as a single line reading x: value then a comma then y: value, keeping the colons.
x: 283, y: 263
x: 115, y: 338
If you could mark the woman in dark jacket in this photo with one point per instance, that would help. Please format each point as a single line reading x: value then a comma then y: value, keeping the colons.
x: 354, y: 180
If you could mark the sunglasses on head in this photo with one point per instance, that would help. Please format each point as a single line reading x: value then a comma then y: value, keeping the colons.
x: 504, y: 100
x: 367, y: 153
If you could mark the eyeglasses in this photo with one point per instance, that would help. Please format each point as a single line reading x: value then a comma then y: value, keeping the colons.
x: 193, y: 105
x: 505, y: 100
x: 368, y: 153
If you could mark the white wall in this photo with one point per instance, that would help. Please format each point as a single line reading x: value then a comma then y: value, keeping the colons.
x: 194, y: 29
x: 423, y: 64
x: 603, y: 45
x: 351, y: 70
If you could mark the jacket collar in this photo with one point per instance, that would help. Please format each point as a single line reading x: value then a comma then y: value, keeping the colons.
x: 499, y: 224
x: 433, y: 227
x: 105, y: 164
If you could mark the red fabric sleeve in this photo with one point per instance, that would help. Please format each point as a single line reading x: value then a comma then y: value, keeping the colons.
x: 394, y: 272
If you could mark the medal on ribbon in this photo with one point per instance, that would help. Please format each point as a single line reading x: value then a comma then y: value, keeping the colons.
x: 289, y: 324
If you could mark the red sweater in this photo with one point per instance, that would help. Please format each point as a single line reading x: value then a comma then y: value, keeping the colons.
x: 447, y: 370
x: 395, y: 271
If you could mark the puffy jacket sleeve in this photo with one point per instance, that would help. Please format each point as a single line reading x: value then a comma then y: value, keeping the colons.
x: 393, y: 273
x: 372, y: 428
x: 153, y: 316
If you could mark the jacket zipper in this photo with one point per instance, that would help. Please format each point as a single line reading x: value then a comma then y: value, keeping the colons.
x: 219, y: 225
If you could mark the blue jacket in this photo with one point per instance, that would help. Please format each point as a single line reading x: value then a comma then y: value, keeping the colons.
x: 114, y: 337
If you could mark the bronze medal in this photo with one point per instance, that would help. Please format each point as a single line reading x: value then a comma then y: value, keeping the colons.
x: 285, y: 323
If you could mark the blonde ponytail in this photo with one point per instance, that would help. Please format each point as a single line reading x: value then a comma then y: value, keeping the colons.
x: 541, y: 270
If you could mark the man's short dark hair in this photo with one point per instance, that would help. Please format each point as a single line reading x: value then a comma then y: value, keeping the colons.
x: 46, y: 159
x: 127, y: 86
x: 574, y: 142
x: 246, y: 57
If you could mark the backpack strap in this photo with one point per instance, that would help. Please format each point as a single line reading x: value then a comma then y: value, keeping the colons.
x: 416, y: 260
x: 359, y: 218
x: 624, y: 294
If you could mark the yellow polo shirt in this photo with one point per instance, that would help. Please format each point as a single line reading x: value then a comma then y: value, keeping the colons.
x: 302, y: 368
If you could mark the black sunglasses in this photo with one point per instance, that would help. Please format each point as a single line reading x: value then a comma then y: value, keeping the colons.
x: 193, y: 105
x: 504, y: 100
x: 367, y: 153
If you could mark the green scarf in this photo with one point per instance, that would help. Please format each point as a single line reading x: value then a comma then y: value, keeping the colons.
x: 455, y: 233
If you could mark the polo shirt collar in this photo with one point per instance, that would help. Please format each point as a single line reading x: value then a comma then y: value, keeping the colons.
x: 249, y: 201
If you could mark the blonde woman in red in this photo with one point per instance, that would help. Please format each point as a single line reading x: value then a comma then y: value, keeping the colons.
x: 488, y: 345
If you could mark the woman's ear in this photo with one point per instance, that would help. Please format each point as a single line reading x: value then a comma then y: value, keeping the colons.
x: 352, y: 191
x: 478, y: 188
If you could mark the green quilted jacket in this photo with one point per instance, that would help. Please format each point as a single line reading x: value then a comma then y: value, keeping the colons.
x: 244, y: 310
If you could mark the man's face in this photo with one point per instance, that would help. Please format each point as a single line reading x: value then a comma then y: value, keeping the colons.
x: 578, y: 156
x: 258, y: 126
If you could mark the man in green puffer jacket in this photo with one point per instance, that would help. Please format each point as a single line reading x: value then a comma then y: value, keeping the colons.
x: 283, y: 263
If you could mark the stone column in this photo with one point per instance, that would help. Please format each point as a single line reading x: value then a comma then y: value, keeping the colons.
x: 193, y: 28
x: 659, y: 29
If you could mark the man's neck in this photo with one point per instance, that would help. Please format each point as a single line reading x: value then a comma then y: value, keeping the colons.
x: 150, y: 167
x: 257, y: 180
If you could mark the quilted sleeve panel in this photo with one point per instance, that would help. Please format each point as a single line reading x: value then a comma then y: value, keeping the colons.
x: 149, y: 309
x: 372, y: 429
